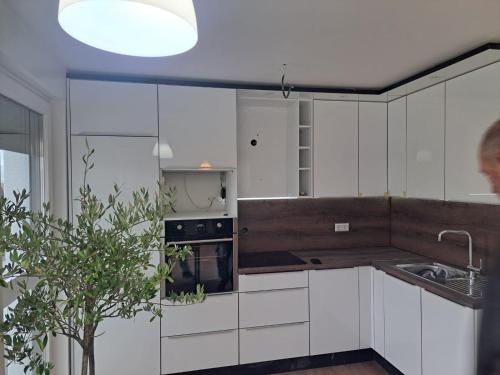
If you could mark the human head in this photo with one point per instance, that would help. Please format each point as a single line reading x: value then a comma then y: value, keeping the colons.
x: 489, y: 155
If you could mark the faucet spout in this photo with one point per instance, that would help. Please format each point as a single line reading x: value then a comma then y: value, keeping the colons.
x: 470, y: 266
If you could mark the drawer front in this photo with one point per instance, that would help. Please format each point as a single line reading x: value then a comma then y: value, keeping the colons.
x: 199, y: 351
x: 275, y: 342
x: 216, y: 313
x: 266, y: 308
x: 270, y: 281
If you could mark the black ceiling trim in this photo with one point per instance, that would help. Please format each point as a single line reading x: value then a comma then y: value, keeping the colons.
x: 272, y: 87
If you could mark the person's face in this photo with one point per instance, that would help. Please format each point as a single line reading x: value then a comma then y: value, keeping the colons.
x: 490, y: 167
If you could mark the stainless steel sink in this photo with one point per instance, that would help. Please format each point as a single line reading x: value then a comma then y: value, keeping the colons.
x: 447, y: 276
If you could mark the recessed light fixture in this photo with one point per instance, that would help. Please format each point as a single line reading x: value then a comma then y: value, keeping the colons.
x: 147, y: 28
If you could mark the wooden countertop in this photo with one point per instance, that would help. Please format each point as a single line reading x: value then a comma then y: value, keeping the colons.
x: 383, y: 258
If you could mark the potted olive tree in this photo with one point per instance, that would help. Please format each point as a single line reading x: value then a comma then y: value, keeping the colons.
x: 73, y: 276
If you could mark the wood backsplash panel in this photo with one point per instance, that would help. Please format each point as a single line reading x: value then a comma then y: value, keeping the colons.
x: 308, y: 224
x: 415, y: 224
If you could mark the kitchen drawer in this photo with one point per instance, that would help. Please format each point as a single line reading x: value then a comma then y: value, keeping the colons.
x: 217, y: 313
x: 271, y: 307
x: 270, y: 281
x: 274, y: 342
x: 199, y: 351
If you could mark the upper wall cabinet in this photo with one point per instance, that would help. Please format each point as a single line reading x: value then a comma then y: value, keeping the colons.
x: 113, y: 108
x: 372, y: 149
x: 197, y: 127
x: 472, y: 105
x: 335, y: 149
x: 268, y: 149
x: 425, y: 142
x: 396, y: 136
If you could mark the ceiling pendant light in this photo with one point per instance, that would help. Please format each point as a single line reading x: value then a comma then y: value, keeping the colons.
x: 147, y: 28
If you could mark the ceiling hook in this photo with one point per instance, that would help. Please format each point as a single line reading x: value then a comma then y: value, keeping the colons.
x: 286, y: 92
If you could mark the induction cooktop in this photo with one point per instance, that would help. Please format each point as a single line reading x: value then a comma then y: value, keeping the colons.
x: 269, y: 259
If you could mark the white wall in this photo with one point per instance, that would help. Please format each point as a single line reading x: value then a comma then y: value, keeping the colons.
x: 21, y: 50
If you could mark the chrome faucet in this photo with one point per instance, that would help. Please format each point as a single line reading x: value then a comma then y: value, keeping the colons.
x: 472, y: 270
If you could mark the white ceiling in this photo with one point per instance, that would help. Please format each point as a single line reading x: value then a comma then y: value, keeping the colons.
x: 335, y: 43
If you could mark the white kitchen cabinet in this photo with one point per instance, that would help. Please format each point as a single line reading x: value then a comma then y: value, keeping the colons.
x: 268, y: 147
x: 270, y: 307
x: 125, y: 161
x: 372, y: 149
x: 270, y: 343
x: 198, y: 126
x: 396, y: 136
x: 335, y: 149
x: 219, y: 312
x: 472, y: 105
x: 334, y: 310
x: 273, y: 316
x: 365, y: 307
x: 197, y: 352
x: 448, y: 345
x: 113, y: 108
x: 403, y: 333
x: 128, y: 347
x: 378, y: 313
x: 425, y: 137
x: 273, y: 281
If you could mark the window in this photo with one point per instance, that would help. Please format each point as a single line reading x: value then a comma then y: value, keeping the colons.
x: 21, y: 150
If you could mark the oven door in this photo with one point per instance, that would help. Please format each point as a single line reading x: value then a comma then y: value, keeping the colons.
x: 210, y: 265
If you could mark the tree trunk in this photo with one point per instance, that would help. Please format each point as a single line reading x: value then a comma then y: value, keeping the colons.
x: 91, y: 357
x: 85, y: 362
x: 88, y: 359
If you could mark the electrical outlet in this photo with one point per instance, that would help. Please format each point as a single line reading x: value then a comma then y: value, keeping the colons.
x: 341, y: 227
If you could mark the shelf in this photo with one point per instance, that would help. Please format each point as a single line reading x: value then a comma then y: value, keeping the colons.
x: 304, y: 169
x: 304, y: 147
x: 305, y: 126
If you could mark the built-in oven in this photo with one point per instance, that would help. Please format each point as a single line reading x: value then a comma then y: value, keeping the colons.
x: 212, y: 263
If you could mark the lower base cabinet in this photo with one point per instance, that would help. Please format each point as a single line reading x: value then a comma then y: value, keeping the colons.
x: 448, y: 344
x: 199, y: 351
x: 378, y: 312
x: 334, y: 310
x: 199, y: 336
x: 403, y: 332
x: 258, y: 344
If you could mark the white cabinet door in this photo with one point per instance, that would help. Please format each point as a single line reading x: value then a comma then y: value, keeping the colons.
x: 334, y: 310
x: 378, y: 313
x: 126, y: 161
x: 270, y: 307
x: 372, y: 149
x: 113, y: 108
x: 365, y: 307
x: 425, y: 137
x: 273, y: 281
x: 335, y: 149
x: 128, y: 347
x: 219, y: 312
x: 403, y: 333
x: 397, y: 147
x: 448, y: 345
x: 274, y: 342
x: 198, y: 126
x: 472, y: 105
x: 197, y: 352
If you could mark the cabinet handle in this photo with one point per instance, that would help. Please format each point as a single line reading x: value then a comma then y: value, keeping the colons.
x: 200, y: 334
x: 275, y: 325
x: 199, y: 241
x: 273, y: 290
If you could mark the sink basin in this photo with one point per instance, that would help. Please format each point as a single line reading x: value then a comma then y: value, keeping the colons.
x: 450, y: 277
x: 435, y: 271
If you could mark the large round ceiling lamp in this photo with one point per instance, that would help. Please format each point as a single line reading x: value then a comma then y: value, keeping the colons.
x: 148, y: 28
